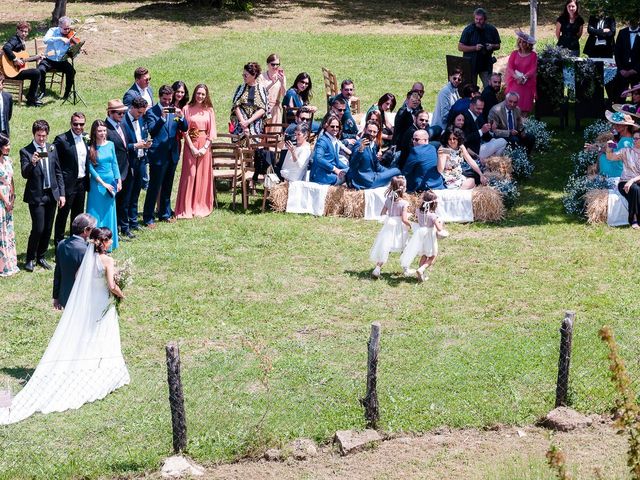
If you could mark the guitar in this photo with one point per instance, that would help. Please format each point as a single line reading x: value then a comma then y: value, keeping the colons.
x: 11, y: 70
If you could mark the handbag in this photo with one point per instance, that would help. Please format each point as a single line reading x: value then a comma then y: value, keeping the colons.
x: 271, y: 179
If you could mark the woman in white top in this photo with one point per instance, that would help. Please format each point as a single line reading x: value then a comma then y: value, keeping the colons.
x: 296, y: 162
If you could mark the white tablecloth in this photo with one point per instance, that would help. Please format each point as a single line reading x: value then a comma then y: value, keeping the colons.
x: 617, y: 209
x: 306, y: 197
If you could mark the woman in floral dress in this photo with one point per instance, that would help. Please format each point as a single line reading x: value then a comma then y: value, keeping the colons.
x: 8, y: 255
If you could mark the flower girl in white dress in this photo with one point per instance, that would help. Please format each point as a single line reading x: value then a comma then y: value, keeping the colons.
x: 424, y: 241
x: 83, y: 361
x: 395, y: 231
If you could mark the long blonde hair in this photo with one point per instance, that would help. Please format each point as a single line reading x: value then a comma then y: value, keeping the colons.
x: 397, y: 188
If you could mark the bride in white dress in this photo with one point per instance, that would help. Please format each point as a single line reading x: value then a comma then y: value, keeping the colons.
x: 83, y: 361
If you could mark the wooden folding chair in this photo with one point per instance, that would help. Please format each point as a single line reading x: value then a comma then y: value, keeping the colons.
x: 245, y: 168
x: 270, y: 142
x: 224, y: 162
x: 55, y: 77
x: 330, y: 83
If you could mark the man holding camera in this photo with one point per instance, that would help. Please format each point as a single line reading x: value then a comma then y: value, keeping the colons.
x: 478, y: 42
x: 163, y: 121
x: 43, y: 191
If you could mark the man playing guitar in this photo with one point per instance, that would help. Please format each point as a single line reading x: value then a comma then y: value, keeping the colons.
x: 15, y: 45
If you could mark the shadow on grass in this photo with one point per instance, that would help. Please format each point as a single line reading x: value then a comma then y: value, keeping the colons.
x: 393, y: 279
x: 19, y: 373
x: 503, y: 13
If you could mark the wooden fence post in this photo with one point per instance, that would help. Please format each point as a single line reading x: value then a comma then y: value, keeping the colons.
x: 370, y: 401
x: 564, y: 362
x: 176, y: 398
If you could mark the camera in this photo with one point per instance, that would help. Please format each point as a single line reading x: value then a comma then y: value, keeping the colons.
x: 44, y: 154
x: 169, y: 109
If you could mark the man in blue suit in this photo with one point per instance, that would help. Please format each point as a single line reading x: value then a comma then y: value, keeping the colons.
x: 136, y: 132
x: 365, y: 170
x: 164, y: 121
x: 421, y: 169
x: 141, y: 88
x: 327, y: 167
x: 69, y: 255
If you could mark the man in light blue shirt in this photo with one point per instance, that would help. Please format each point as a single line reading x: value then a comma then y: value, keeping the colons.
x: 57, y: 43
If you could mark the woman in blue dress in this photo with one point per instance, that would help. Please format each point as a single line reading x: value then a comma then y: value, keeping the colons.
x: 105, y: 180
x: 298, y: 95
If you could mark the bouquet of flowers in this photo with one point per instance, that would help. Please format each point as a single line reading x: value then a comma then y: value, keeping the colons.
x: 123, y: 276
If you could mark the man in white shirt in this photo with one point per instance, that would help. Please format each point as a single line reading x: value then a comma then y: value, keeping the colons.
x: 141, y: 88
x: 73, y: 156
x: 446, y: 98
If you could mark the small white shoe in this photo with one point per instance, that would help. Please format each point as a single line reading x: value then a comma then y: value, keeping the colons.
x: 375, y: 274
x: 420, y: 276
x: 409, y: 272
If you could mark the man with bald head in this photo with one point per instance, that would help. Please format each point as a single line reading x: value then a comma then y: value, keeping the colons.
x: 421, y: 170
x: 57, y: 45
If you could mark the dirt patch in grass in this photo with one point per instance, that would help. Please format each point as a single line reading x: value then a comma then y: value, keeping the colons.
x: 160, y: 26
x: 469, y: 454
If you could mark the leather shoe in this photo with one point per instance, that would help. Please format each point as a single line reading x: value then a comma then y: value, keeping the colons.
x: 29, y: 266
x: 135, y: 227
x: 44, y: 264
x: 35, y: 103
x: 171, y: 219
x: 129, y: 235
x: 151, y: 226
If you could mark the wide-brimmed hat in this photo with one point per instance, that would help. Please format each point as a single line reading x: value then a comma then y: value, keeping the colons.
x: 635, y: 88
x: 627, y: 108
x: 620, y: 118
x: 525, y: 36
x: 116, y: 106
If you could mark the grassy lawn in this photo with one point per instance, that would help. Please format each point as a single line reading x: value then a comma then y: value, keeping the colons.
x: 272, y: 311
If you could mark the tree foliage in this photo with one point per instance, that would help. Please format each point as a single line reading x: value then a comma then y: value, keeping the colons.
x: 622, y: 10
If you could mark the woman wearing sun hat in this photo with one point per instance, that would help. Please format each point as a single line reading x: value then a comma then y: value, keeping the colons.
x: 521, y: 71
x: 624, y: 127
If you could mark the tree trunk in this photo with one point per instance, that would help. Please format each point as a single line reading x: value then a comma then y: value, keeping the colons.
x: 533, y: 12
x: 59, y: 10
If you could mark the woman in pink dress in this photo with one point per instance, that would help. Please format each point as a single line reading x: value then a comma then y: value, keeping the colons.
x: 195, y: 192
x: 273, y: 81
x: 521, y: 71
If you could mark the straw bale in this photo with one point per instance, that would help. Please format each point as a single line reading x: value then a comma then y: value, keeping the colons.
x: 487, y: 205
x: 278, y: 197
x: 596, y: 205
x: 333, y: 204
x: 502, y: 166
x: 604, y: 137
x: 353, y: 203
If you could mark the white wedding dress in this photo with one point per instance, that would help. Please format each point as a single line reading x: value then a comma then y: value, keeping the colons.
x: 83, y: 361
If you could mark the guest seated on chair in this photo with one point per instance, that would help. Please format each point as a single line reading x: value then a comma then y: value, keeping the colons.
x: 17, y: 44
x: 299, y: 94
x: 365, y: 170
x: 349, y: 130
x: 56, y: 45
x: 422, y: 169
x: 479, y: 137
x: 327, y: 167
x: 405, y: 117
x: 296, y: 161
x: 459, y: 170
x: 386, y: 105
x: 469, y: 91
x: 447, y: 97
x: 506, y: 121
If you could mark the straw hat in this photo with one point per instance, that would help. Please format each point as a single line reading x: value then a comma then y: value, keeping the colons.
x: 627, y: 108
x: 116, y: 106
x: 620, y: 118
x: 635, y: 88
x: 525, y: 37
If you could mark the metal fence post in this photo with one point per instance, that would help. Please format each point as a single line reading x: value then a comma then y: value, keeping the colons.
x: 176, y: 398
x: 370, y: 401
x: 564, y: 362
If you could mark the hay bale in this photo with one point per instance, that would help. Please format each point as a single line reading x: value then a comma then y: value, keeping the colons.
x: 278, y: 197
x: 333, y: 204
x: 499, y: 166
x: 597, y: 205
x: 487, y: 205
x: 353, y: 203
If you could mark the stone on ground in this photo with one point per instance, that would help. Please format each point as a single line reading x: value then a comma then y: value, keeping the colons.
x: 273, y: 455
x: 350, y: 441
x: 179, y: 467
x: 303, y: 448
x: 565, y: 419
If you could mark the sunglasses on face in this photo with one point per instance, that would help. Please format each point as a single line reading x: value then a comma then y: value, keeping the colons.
x: 341, y: 109
x: 76, y: 124
x: 334, y: 126
x: 274, y: 64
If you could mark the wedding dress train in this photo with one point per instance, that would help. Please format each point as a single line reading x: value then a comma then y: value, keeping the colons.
x: 83, y: 361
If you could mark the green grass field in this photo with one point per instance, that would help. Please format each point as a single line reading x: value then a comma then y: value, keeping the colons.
x: 272, y: 311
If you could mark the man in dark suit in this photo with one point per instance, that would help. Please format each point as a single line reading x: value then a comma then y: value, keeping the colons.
x: 405, y: 116
x: 136, y: 131
x: 490, y: 93
x: 6, y: 108
x: 44, y: 189
x: 141, y: 88
x: 365, y: 170
x: 69, y: 255
x: 73, y: 156
x: 116, y: 134
x: 627, y: 55
x: 164, y: 121
x: 475, y: 128
x: 421, y: 122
